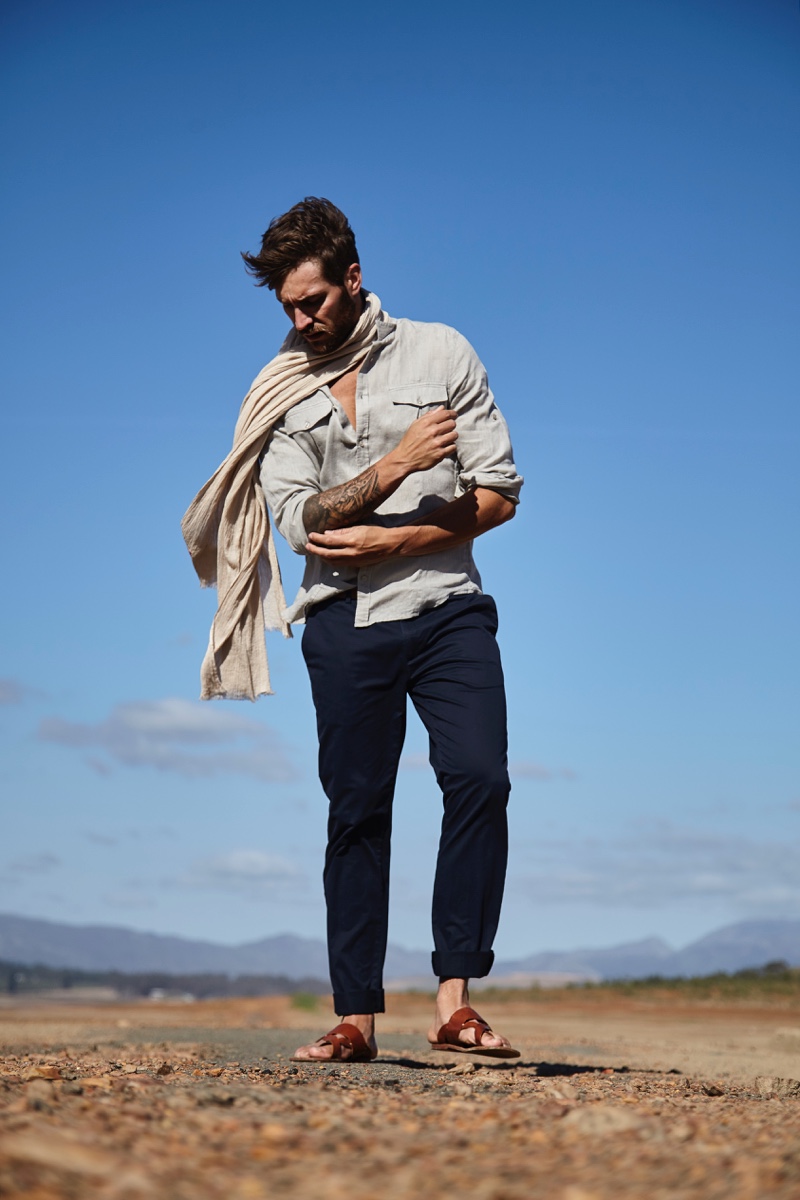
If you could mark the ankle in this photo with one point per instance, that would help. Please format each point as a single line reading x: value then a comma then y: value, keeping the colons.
x: 453, y: 994
x: 364, y: 1022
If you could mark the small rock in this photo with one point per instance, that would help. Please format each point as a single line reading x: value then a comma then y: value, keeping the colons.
x: 560, y: 1091
x: 38, y: 1095
x: 466, y: 1068
x: 713, y: 1089
x: 773, y: 1085
x: 60, y: 1154
x: 164, y: 1069
x: 220, y: 1096
x: 601, y: 1119
x: 43, y: 1073
x: 462, y: 1089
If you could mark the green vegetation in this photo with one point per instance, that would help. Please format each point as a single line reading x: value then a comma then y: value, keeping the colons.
x: 305, y: 1001
x: 774, y: 982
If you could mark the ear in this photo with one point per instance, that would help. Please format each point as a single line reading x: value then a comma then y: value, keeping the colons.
x: 352, y: 280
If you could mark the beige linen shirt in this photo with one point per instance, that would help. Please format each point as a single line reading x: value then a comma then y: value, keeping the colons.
x: 412, y: 368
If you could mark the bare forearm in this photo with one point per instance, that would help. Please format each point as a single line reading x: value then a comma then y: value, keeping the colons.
x: 424, y: 444
x: 351, y: 502
x: 459, y: 521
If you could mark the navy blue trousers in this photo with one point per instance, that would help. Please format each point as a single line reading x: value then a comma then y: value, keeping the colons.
x: 447, y: 660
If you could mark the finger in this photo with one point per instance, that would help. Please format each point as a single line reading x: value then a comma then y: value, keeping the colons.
x: 334, y: 539
x: 437, y: 415
x: 331, y: 537
x: 332, y: 555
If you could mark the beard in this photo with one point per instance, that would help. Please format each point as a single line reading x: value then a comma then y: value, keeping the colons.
x: 339, y: 325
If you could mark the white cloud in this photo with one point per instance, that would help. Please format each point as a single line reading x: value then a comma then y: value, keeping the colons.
x: 100, y: 839
x: 12, y: 691
x: 414, y: 762
x: 245, y: 871
x: 99, y: 765
x: 129, y: 899
x: 192, y: 739
x: 33, y: 864
x: 521, y: 769
x: 663, y: 866
x: 525, y: 769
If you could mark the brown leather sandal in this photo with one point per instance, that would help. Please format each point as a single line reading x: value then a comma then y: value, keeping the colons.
x: 465, y: 1018
x: 343, y: 1037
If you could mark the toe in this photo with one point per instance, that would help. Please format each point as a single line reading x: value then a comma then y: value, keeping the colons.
x: 494, y: 1040
x: 316, y: 1050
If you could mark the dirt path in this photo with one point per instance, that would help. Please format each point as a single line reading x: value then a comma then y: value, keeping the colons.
x: 201, y: 1102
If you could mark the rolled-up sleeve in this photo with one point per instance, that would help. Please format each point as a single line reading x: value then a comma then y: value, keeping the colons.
x: 288, y: 477
x: 485, y: 456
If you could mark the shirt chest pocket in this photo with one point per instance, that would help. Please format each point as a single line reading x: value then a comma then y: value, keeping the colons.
x: 413, y: 400
x: 307, y: 423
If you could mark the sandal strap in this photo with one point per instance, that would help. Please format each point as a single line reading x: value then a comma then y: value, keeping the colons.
x: 345, y: 1037
x: 463, y: 1018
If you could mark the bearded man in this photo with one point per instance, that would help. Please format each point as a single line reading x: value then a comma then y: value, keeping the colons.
x: 382, y: 455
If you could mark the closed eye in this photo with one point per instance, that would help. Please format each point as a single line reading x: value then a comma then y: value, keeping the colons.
x: 308, y: 303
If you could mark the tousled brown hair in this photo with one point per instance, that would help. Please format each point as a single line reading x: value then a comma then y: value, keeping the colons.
x: 314, y: 228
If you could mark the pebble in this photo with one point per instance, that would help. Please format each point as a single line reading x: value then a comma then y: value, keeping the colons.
x: 598, y: 1120
x: 772, y: 1085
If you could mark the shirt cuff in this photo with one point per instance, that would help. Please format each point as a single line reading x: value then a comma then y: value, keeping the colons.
x: 507, y: 485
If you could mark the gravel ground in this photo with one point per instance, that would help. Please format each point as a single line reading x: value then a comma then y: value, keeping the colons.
x: 202, y: 1103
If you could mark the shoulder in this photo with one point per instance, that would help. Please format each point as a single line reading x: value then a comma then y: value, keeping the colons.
x: 432, y: 333
x: 441, y: 347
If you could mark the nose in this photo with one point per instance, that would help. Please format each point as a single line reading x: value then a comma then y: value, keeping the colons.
x: 302, y: 320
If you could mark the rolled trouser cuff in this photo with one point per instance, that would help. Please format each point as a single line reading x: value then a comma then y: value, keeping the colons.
x: 462, y: 964
x: 370, y: 1001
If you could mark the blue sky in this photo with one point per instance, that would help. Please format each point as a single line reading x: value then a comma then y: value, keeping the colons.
x: 604, y: 199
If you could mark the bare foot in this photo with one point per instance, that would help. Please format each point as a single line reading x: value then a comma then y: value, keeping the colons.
x: 453, y: 994
x: 339, y: 1048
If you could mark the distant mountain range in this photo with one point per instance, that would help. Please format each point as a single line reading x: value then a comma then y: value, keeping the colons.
x: 109, y: 947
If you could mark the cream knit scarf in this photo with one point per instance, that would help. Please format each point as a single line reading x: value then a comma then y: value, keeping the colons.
x: 226, y: 527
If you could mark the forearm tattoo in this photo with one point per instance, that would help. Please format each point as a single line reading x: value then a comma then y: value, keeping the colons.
x: 343, y: 505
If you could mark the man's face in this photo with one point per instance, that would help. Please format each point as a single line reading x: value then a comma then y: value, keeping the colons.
x: 323, y: 313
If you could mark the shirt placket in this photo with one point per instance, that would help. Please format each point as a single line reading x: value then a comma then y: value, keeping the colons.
x: 364, y: 593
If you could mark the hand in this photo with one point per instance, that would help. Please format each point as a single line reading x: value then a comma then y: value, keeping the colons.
x: 356, y: 546
x: 427, y: 441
